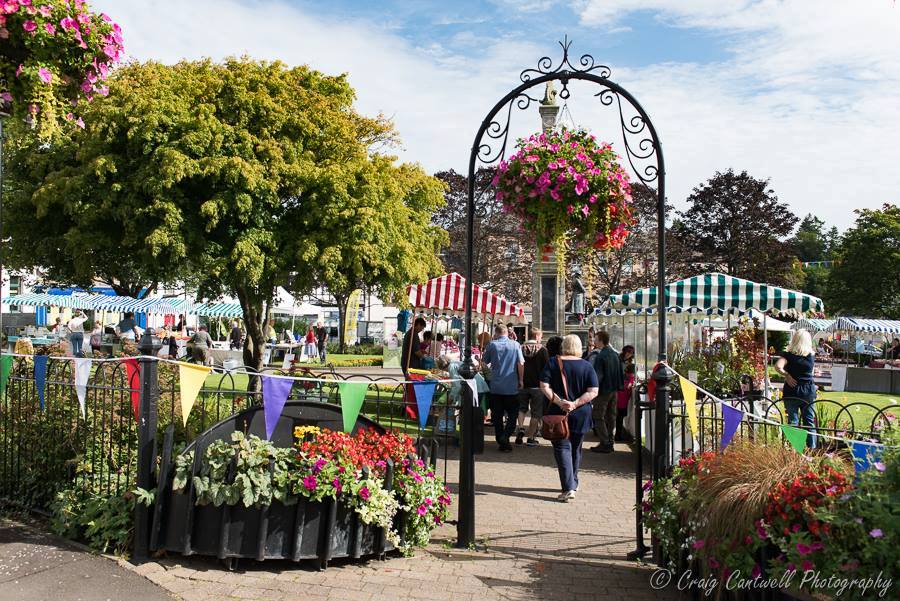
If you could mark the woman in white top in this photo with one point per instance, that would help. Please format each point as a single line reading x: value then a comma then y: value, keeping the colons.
x: 76, y: 333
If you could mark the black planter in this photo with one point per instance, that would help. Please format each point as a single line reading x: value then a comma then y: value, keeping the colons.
x: 306, y: 530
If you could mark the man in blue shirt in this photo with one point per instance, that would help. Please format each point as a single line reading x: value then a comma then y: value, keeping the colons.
x: 504, y: 356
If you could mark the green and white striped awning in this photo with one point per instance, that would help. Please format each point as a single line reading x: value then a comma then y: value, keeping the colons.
x: 218, y: 310
x: 720, y: 291
x: 813, y: 325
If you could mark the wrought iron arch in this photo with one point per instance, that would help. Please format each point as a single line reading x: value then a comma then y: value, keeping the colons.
x: 643, y: 151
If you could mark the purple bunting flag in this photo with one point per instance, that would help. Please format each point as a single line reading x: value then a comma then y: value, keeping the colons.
x: 275, y: 394
x: 424, y: 397
x: 733, y: 418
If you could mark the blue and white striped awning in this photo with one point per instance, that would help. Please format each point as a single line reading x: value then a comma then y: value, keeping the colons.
x: 720, y: 291
x: 813, y: 325
x: 219, y: 310
x: 856, y: 324
x: 122, y: 304
x: 39, y: 299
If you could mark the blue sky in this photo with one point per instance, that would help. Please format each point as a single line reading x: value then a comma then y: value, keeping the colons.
x: 801, y: 92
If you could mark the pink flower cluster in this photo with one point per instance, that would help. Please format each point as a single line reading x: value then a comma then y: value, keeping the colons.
x: 65, y: 53
x: 566, y: 183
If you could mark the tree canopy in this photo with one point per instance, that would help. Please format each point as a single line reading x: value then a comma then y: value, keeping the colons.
x: 864, y: 279
x: 237, y: 176
x: 735, y: 224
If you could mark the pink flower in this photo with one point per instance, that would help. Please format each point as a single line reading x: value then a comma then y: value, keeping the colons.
x: 554, y: 194
x: 309, y: 481
x: 803, y: 549
x: 111, y: 51
x: 29, y: 26
x: 757, y: 572
x: 570, y: 209
x: 70, y: 116
x: 593, y: 198
x: 4, y: 33
x: 586, y: 210
x: 44, y: 10
x: 699, y: 544
x: 532, y: 158
x: 879, y: 466
x: 364, y: 493
x: 50, y: 28
x: 68, y: 23
x: 45, y: 75
x: 807, y: 565
x: 422, y: 510
x: 337, y: 485
x: 6, y: 97
x: 876, y: 533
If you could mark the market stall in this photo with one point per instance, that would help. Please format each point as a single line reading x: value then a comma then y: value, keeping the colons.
x: 876, y: 372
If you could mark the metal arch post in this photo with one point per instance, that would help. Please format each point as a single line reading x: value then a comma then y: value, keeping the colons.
x: 466, y: 516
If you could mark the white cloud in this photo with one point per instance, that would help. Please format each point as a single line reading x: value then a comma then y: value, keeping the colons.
x: 809, y: 98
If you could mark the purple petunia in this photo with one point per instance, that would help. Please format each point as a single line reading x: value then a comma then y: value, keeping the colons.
x: 876, y: 533
x: 310, y: 482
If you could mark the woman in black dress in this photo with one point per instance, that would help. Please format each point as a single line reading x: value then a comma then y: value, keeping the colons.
x: 796, y: 365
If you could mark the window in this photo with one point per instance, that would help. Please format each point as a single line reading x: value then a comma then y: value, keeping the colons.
x: 15, y: 287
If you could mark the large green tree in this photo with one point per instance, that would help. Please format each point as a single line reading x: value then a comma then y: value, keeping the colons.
x: 735, y: 224
x: 230, y: 174
x: 865, y: 277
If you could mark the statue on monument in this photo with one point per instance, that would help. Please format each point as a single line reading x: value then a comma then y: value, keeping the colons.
x: 549, y: 95
x: 575, y: 310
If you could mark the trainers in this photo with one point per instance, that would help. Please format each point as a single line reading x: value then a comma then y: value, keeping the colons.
x: 532, y: 442
x: 566, y: 496
x: 520, y: 437
x: 602, y: 449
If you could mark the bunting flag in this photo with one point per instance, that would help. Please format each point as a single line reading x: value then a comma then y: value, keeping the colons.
x: 689, y: 390
x: 275, y: 394
x: 474, y: 386
x: 40, y: 376
x: 865, y: 455
x: 796, y: 436
x: 133, y: 377
x: 352, y: 396
x: 5, y: 369
x: 424, y: 397
x: 82, y: 375
x: 733, y: 418
x: 192, y: 378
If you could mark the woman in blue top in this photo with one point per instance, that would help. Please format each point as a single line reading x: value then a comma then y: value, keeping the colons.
x: 796, y: 365
x: 569, y: 373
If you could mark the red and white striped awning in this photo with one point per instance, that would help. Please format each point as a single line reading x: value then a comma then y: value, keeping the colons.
x: 447, y: 295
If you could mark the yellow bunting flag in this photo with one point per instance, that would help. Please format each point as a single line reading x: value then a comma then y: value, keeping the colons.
x: 689, y: 391
x: 192, y: 379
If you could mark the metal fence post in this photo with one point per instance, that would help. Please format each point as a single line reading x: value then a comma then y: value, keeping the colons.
x: 146, y: 452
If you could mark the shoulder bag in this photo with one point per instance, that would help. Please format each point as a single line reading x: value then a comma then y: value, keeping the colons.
x: 556, y: 427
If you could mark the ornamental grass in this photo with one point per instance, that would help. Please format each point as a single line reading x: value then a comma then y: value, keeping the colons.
x: 734, y: 486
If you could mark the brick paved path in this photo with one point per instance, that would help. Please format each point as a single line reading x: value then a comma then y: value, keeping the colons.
x: 535, y: 548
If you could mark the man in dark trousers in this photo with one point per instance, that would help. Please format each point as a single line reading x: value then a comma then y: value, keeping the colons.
x: 322, y: 340
x: 611, y: 376
x: 504, y: 356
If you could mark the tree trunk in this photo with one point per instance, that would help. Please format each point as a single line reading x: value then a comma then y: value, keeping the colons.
x: 255, y: 310
x: 341, y: 302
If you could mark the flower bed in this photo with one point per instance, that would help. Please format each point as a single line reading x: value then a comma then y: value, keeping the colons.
x: 372, y: 477
x: 767, y: 513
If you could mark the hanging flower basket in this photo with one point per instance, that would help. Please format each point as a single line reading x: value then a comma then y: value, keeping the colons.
x: 53, y: 54
x: 566, y: 186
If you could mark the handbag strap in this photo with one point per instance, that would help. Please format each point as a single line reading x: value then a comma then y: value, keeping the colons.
x: 562, y: 374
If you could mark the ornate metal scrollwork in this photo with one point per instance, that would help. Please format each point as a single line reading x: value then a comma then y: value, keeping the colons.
x: 641, y: 149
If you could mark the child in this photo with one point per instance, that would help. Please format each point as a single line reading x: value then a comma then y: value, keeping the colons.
x: 622, y: 400
x: 427, y: 359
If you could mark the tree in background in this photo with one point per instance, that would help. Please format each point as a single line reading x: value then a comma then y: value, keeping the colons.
x: 864, y: 279
x: 378, y: 238
x: 736, y: 225
x: 815, y: 247
x: 227, y: 173
x: 503, y: 254
x: 633, y: 265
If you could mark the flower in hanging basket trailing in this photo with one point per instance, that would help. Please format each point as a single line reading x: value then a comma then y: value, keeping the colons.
x: 566, y: 184
x: 54, y: 54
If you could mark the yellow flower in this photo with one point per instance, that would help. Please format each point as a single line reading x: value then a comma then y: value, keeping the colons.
x: 301, y: 431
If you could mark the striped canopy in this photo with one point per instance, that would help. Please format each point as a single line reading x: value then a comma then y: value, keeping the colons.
x: 218, y: 310
x: 446, y: 295
x: 35, y: 299
x: 719, y: 291
x: 122, y: 304
x: 813, y: 325
x: 856, y: 324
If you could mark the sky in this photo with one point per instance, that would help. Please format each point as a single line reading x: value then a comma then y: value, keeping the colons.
x: 803, y: 93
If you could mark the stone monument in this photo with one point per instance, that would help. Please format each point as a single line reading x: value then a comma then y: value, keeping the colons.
x: 548, y: 290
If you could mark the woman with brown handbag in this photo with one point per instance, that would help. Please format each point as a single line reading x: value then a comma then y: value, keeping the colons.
x: 570, y: 384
